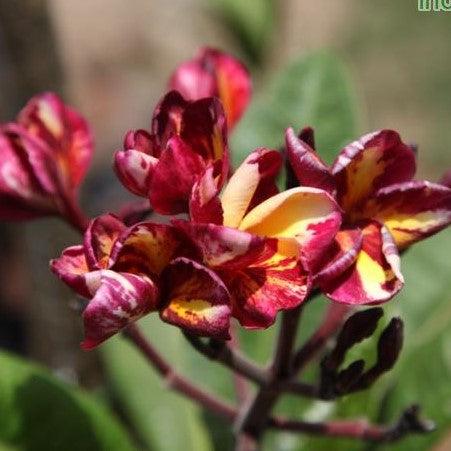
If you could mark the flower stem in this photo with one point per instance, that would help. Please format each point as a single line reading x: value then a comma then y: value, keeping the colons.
x: 222, y: 353
x: 254, y: 417
x: 333, y: 320
x: 409, y: 422
x: 175, y: 381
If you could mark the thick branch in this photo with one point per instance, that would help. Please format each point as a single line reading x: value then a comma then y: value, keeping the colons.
x: 177, y: 382
x: 254, y: 417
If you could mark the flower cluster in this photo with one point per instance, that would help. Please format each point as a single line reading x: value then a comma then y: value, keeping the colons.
x: 238, y: 248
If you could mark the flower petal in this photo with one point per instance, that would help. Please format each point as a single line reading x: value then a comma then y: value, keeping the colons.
x: 215, y: 74
x: 223, y: 247
x: 204, y: 129
x: 196, y: 299
x: 339, y: 256
x: 119, y: 300
x: 174, y: 176
x: 201, y: 124
x: 308, y: 167
x: 64, y: 131
x: 142, y: 141
x: 252, y: 183
x: 99, y: 239
x: 134, y: 169
x: 204, y: 204
x: 308, y: 215
x: 372, y: 162
x: 27, y: 187
x: 412, y: 211
x: 375, y: 276
x: 272, y: 283
x: 71, y: 268
x: 146, y: 248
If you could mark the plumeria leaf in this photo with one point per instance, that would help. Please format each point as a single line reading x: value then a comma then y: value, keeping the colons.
x: 251, y: 22
x: 314, y: 90
x: 163, y: 419
x: 71, y: 419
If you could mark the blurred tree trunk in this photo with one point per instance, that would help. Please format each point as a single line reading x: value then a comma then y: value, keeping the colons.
x: 29, y: 64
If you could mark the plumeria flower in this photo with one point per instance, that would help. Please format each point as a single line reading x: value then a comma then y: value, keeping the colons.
x: 188, y: 131
x: 45, y: 154
x: 251, y: 236
x: 185, y: 138
x: 384, y: 212
x: 215, y: 74
x: 116, y: 268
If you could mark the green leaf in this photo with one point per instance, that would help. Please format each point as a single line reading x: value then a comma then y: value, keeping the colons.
x: 314, y: 90
x: 164, y: 420
x: 38, y: 412
x: 250, y: 21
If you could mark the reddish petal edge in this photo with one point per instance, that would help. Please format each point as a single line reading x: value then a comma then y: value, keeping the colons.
x: 196, y: 299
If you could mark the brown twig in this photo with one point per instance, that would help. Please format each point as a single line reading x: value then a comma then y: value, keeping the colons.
x: 409, y: 422
x: 334, y: 318
x: 175, y: 381
x: 222, y: 353
x: 254, y: 416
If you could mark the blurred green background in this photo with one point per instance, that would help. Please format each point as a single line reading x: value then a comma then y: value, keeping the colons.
x: 346, y: 67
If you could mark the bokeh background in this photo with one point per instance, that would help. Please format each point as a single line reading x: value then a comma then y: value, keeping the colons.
x: 111, y: 59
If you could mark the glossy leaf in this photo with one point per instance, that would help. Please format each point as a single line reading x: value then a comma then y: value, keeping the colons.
x: 314, y: 90
x: 251, y: 22
x: 39, y: 412
x: 163, y: 419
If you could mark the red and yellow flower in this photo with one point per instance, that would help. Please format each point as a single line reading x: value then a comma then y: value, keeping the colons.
x: 45, y: 154
x: 188, y: 132
x: 384, y: 212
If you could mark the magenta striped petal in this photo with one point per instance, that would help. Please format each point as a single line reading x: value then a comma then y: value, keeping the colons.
x: 205, y: 205
x: 412, y: 211
x: 339, y: 256
x: 27, y: 176
x: 308, y: 167
x: 146, y: 248
x: 64, y: 130
x: 372, y: 162
x: 174, y: 176
x: 118, y: 300
x: 215, y: 74
x: 99, y: 239
x: 375, y: 277
x: 71, y: 267
x: 134, y: 169
x: 266, y: 286
x: 223, y: 247
x: 196, y: 299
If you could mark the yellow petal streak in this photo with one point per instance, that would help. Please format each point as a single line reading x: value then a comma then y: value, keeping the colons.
x: 372, y: 275
x: 238, y: 193
x: 191, y: 310
x: 288, y: 214
x: 404, y: 227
